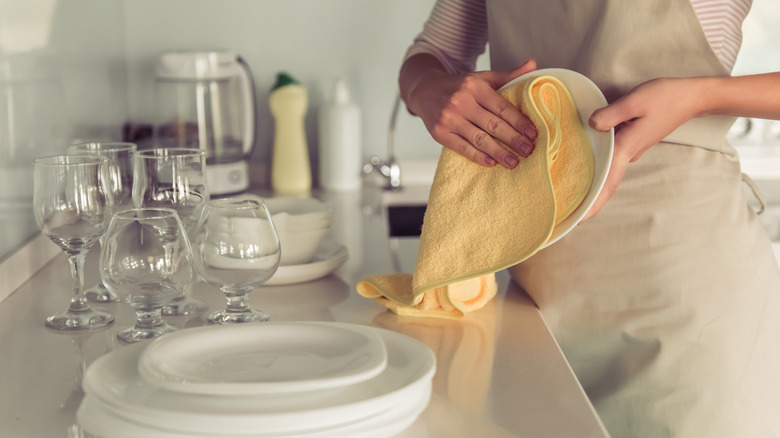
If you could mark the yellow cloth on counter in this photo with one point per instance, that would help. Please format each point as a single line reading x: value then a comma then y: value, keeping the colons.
x: 451, y: 301
x: 480, y: 220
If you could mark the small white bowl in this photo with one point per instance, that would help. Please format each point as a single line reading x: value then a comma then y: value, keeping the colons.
x: 300, y: 210
x: 298, y: 246
x: 302, y: 224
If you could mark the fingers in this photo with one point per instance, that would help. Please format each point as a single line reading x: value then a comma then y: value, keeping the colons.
x: 510, y: 127
x: 477, y: 145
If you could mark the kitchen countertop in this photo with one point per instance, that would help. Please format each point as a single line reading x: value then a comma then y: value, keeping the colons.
x: 499, y: 371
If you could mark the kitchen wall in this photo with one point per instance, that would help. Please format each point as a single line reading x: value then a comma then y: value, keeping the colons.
x: 315, y: 41
x: 62, y: 77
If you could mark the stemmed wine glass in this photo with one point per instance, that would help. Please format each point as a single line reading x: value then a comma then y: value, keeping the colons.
x: 236, y: 248
x: 72, y: 204
x: 173, y: 178
x: 120, y: 171
x: 146, y: 261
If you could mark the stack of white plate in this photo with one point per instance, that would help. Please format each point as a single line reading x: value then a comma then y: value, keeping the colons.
x: 280, y: 379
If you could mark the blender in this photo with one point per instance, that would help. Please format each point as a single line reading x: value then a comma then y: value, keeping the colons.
x: 206, y: 100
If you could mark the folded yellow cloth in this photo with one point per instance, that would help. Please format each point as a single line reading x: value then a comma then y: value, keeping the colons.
x: 451, y: 301
x: 481, y: 220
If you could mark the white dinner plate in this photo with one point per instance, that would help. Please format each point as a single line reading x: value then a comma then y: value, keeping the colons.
x: 330, y: 255
x: 114, y: 381
x: 98, y: 420
x: 587, y: 97
x: 266, y: 358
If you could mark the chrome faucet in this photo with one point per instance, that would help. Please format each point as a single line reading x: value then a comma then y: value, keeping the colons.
x: 389, y: 169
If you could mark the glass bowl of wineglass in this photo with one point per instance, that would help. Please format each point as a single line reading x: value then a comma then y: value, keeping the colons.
x: 72, y: 205
x: 236, y: 249
x: 146, y: 261
x: 173, y: 178
x: 120, y: 172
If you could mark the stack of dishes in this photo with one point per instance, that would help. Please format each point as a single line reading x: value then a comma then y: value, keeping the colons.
x: 301, y: 225
x: 280, y: 379
x: 308, y: 251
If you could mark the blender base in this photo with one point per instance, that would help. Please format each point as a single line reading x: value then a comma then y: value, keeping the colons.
x: 227, y: 178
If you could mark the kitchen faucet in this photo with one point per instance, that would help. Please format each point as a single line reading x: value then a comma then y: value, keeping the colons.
x: 389, y: 169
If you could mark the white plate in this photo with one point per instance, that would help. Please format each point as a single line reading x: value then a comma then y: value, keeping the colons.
x: 267, y: 358
x: 98, y: 420
x: 114, y: 381
x: 330, y: 255
x: 587, y: 97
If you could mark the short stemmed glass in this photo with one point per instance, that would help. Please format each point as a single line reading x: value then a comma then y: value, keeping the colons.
x: 72, y: 204
x: 173, y: 178
x: 236, y: 248
x: 120, y: 171
x: 146, y: 261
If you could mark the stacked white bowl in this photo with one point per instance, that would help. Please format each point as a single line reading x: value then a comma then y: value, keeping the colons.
x: 302, y: 224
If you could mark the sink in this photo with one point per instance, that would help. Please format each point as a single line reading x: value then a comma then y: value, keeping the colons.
x: 403, y: 210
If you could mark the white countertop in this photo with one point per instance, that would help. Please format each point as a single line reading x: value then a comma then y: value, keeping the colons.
x: 499, y: 372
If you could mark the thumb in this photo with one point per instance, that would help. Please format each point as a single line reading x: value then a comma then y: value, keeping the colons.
x: 608, y: 117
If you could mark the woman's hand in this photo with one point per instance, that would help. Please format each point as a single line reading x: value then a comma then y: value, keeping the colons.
x: 641, y: 119
x: 464, y: 112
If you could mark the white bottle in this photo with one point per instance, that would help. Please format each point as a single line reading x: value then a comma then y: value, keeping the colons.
x: 290, y: 168
x: 340, y: 141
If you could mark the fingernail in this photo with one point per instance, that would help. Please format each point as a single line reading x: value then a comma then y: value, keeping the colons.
x: 489, y: 161
x: 526, y: 149
x: 510, y: 160
x: 530, y: 133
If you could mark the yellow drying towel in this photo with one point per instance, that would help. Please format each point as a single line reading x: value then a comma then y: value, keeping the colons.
x: 481, y: 220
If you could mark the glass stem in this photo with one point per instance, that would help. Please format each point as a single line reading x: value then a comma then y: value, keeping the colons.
x: 78, y: 302
x: 238, y: 302
x: 145, y: 319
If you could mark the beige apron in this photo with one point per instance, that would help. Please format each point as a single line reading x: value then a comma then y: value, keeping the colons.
x: 665, y: 303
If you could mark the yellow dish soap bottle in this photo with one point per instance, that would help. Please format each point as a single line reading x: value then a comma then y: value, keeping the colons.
x: 290, y: 167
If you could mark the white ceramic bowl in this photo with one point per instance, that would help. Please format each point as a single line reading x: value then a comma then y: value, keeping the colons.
x: 299, y: 210
x: 302, y: 224
x: 298, y: 246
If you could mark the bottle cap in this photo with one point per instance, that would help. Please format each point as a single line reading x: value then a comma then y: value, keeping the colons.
x: 283, y: 79
x: 340, y: 92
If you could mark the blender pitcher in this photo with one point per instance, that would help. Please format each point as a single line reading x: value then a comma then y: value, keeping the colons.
x: 206, y: 100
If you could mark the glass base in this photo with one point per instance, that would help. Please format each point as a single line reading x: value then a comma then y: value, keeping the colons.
x: 99, y: 294
x: 87, y: 319
x: 137, y: 334
x: 227, y: 317
x: 183, y: 306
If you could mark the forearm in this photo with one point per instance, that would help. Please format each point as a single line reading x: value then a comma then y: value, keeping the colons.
x: 742, y: 96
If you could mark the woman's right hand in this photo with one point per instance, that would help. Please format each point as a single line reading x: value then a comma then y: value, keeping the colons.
x: 463, y: 112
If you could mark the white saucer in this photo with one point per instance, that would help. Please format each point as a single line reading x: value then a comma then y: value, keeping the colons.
x: 587, y: 97
x: 114, y: 381
x: 330, y: 255
x: 267, y: 358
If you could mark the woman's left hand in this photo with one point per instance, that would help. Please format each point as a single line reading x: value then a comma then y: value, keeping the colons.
x: 641, y: 119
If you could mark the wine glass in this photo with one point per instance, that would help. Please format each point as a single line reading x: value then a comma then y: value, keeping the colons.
x: 120, y: 171
x: 236, y: 248
x: 146, y: 261
x: 173, y: 178
x: 72, y: 204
